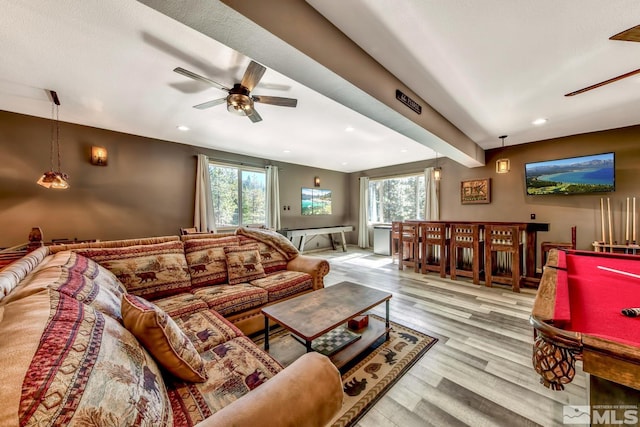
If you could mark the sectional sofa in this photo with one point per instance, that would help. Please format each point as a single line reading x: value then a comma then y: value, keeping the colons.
x: 153, y: 332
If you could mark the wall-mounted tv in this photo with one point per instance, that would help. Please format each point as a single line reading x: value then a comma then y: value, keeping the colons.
x: 573, y: 175
x: 316, y: 201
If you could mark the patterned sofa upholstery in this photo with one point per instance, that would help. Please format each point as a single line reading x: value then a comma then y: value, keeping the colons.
x: 71, y: 359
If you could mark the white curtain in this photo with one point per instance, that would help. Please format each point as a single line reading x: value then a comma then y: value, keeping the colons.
x: 203, y: 217
x: 363, y: 218
x: 432, y: 204
x: 273, y: 198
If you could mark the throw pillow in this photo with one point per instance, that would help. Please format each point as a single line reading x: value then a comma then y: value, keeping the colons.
x: 243, y: 263
x: 162, y: 337
x: 206, y: 260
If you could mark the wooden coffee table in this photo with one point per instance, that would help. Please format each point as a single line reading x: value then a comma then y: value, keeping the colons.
x: 314, y: 314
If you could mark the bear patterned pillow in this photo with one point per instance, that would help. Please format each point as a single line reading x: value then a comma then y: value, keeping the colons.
x: 162, y: 337
x: 243, y: 263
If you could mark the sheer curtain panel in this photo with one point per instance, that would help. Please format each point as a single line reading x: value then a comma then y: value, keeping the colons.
x: 203, y: 217
x: 273, y: 198
x: 431, y: 203
x: 363, y: 217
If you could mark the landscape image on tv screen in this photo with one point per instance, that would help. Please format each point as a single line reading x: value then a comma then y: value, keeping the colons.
x: 316, y: 201
x: 575, y: 175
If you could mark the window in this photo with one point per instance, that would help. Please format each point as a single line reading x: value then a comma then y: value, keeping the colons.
x: 397, y: 198
x: 239, y: 195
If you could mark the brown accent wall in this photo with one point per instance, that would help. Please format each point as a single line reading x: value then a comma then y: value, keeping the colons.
x: 509, y: 201
x: 147, y: 189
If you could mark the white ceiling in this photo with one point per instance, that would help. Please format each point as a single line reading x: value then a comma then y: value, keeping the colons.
x: 490, y: 67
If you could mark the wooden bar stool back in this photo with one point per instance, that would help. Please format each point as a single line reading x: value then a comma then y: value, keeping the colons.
x: 395, y: 241
x: 467, y: 251
x: 408, y: 245
x: 545, y: 247
x: 503, y: 255
x: 434, y: 253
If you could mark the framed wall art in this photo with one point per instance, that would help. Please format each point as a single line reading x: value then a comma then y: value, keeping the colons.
x: 475, y: 191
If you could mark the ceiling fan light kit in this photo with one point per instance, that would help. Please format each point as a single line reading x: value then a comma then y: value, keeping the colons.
x: 240, y: 101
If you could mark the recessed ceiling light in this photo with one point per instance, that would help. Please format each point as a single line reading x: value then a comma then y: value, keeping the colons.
x: 403, y: 150
x: 286, y: 151
x: 183, y: 128
x: 539, y: 121
x: 344, y: 163
x: 349, y: 129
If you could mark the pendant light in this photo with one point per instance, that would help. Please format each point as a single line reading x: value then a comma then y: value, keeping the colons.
x: 503, y: 165
x: 437, y: 171
x: 54, y: 179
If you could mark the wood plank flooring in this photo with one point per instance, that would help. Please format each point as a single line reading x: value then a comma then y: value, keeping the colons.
x: 480, y: 372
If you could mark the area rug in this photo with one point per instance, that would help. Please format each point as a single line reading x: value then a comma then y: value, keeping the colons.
x: 367, y: 379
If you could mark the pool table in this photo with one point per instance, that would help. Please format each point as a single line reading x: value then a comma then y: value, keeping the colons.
x: 577, y: 316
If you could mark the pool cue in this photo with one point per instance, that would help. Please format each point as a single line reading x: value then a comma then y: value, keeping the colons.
x: 624, y: 273
x: 626, y: 233
x: 631, y: 312
x: 610, y: 227
x: 633, y: 221
x: 604, y: 240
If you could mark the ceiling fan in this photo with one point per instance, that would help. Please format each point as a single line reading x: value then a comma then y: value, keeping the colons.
x: 240, y: 101
x: 630, y: 35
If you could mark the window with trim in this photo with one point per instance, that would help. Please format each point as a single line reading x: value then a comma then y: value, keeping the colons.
x: 239, y: 195
x: 396, y: 198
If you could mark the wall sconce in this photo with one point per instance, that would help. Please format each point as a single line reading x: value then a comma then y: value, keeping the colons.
x: 503, y: 165
x: 316, y: 181
x: 99, y: 156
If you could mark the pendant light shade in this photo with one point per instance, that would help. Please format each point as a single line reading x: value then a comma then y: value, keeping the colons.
x: 54, y: 179
x: 503, y: 165
x: 437, y: 171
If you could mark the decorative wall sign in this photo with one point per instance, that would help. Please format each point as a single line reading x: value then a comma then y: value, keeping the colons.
x: 475, y: 191
x: 408, y: 102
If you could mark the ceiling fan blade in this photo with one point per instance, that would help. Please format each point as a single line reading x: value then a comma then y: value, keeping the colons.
x: 276, y: 100
x: 195, y: 76
x: 255, y: 117
x: 210, y: 104
x: 252, y: 75
x: 606, y: 82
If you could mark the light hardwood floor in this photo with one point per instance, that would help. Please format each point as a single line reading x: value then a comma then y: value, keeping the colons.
x: 480, y: 372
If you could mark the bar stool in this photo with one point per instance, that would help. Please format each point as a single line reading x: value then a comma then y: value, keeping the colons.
x: 503, y: 255
x: 408, y: 249
x: 545, y: 247
x: 434, y: 253
x: 395, y: 240
x: 466, y: 251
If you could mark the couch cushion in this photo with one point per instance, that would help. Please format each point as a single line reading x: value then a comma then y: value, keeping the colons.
x: 207, y: 261
x: 243, y: 263
x: 150, y: 271
x: 72, y: 365
x: 234, y: 368
x: 13, y: 274
x: 272, y: 260
x: 282, y: 284
x: 160, y: 335
x: 229, y: 299
x: 207, y: 329
x: 181, y: 304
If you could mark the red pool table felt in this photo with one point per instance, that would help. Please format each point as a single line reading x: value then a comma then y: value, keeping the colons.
x: 597, y: 296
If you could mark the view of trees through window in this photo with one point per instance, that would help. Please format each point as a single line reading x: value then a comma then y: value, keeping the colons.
x: 396, y: 199
x: 239, y: 195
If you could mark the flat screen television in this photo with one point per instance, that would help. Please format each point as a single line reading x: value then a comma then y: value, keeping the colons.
x: 573, y: 175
